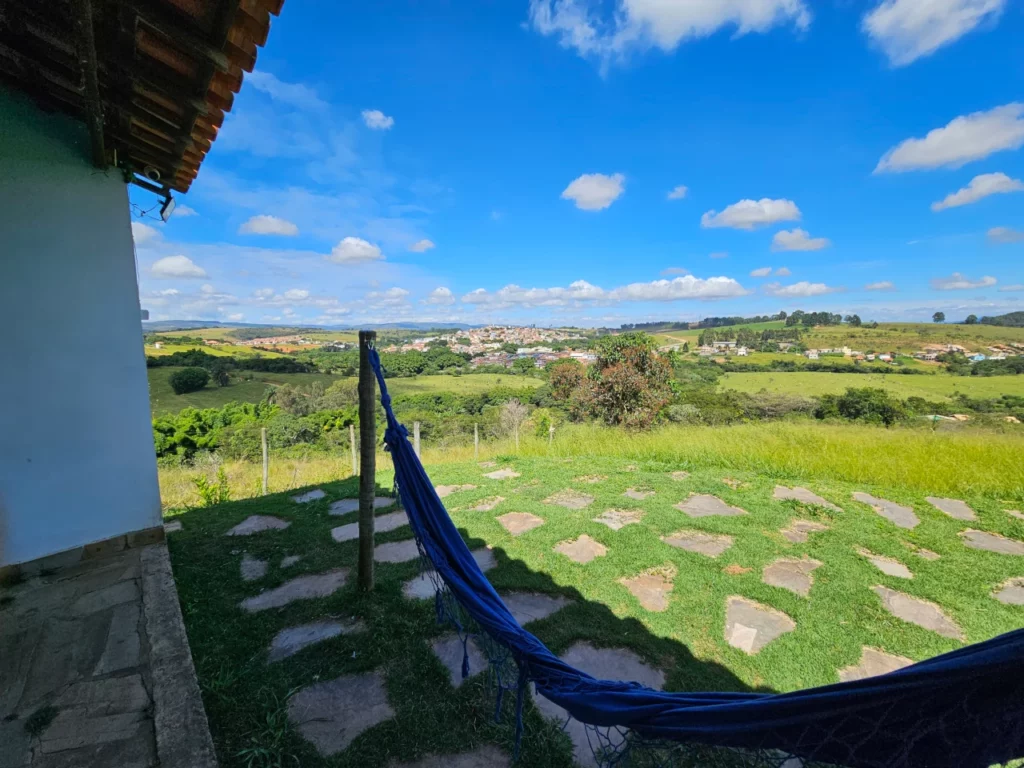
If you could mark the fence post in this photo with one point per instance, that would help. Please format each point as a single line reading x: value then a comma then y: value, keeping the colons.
x: 266, y: 458
x: 352, y: 445
x: 368, y: 460
x: 416, y: 438
x: 476, y: 442
x: 551, y: 435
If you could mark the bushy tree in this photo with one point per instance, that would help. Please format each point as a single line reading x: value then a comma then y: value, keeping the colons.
x: 939, y: 317
x: 971, y: 319
x: 863, y: 404
x: 513, y: 414
x: 188, y: 380
x: 524, y: 366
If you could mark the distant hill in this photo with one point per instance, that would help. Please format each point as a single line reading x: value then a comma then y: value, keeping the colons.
x: 1009, y: 320
x: 157, y: 326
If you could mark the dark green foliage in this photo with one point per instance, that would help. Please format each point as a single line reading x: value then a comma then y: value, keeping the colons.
x: 799, y: 317
x: 199, y: 359
x: 971, y: 320
x: 215, y: 492
x: 188, y: 380
x: 1009, y: 320
x: 863, y: 404
x: 939, y: 317
x: 525, y: 366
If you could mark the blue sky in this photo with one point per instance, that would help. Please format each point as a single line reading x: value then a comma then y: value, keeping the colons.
x: 598, y: 162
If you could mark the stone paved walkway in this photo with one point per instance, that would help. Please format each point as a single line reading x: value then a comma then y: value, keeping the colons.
x: 802, y: 495
x: 652, y: 589
x: 706, y: 505
x: 897, y: 514
x: 873, y: 662
x: 923, y: 613
x: 300, y: 588
x: 750, y: 626
x: 581, y: 550
x: 483, y: 757
x: 331, y: 714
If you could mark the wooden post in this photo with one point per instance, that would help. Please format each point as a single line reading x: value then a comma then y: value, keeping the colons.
x: 367, y: 460
x: 416, y: 438
x: 476, y: 442
x: 352, y: 446
x: 266, y: 459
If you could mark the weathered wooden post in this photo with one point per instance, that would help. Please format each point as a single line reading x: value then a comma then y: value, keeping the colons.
x: 352, y: 447
x: 266, y: 459
x: 476, y: 442
x: 416, y: 438
x: 367, y: 460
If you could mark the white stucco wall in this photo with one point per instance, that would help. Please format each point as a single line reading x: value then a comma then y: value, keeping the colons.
x: 77, y: 463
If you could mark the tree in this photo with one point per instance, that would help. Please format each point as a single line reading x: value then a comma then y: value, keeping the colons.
x: 513, y: 414
x: 188, y: 380
x: 220, y: 375
x: 524, y: 366
x: 853, y: 320
x: 939, y: 317
x: 971, y: 319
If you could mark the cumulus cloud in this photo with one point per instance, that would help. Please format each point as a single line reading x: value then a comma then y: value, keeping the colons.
x: 421, y: 245
x: 1015, y: 288
x: 962, y: 140
x: 1005, y: 235
x: 906, y: 30
x: 296, y: 294
x: 674, y: 271
x: 803, y: 289
x: 268, y: 225
x: 679, y: 288
x: 143, y: 233
x: 354, y: 250
x: 678, y: 193
x: 718, y: 255
x: 236, y: 317
x: 686, y: 287
x: 181, y: 211
x: 749, y: 214
x: 176, y: 267
x: 392, y: 297
x: 881, y: 285
x: 441, y: 296
x: 957, y: 282
x: 980, y: 187
x: 783, y: 272
x: 595, y: 191
x: 377, y: 120
x: 761, y: 272
x: 293, y: 94
x: 263, y: 293
x: 798, y: 240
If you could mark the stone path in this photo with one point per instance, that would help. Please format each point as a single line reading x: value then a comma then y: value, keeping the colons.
x: 251, y: 568
x: 632, y: 493
x: 300, y: 588
x: 289, y: 560
x: 570, y: 499
x: 991, y: 542
x: 708, y: 544
x: 897, y: 514
x: 347, y: 506
x: 173, y: 526
x: 887, y: 565
x: 920, y: 612
x: 422, y: 587
x: 679, y: 475
x: 604, y: 664
x: 518, y: 523
x: 488, y: 505
x: 873, y: 662
x: 448, y: 490
x: 308, y: 496
x: 449, y: 651
x: 502, y: 474
x: 256, y: 523
x: 290, y: 641
x: 706, y: 505
x: 1011, y: 592
x: 794, y: 575
x: 532, y: 606
x: 396, y: 551
x: 732, y: 482
x: 482, y: 757
x: 925, y: 554
x: 802, y: 495
x: 653, y: 588
x: 616, y: 519
x: 330, y: 715
x: 955, y: 508
x: 799, y: 531
x: 1015, y: 513
x: 750, y: 626
x: 381, y: 524
x: 581, y: 550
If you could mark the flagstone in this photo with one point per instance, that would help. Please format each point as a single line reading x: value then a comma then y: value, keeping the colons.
x: 488, y: 505
x: 381, y: 524
x: 448, y: 490
x: 502, y: 474
x: 955, y: 508
x: 486, y: 756
x: 1011, y: 592
x: 652, y: 588
x: 706, y: 505
x: 252, y: 569
x: 422, y: 587
x: 799, y: 531
x: 290, y: 641
x: 802, y: 495
x: 256, y: 523
x: 923, y: 613
x: 347, y: 506
x: 331, y: 714
x: 897, y: 514
x: 991, y: 542
x: 887, y: 565
x: 300, y: 588
x: 518, y: 523
x: 873, y: 662
x: 794, y: 575
x: 396, y: 551
x: 581, y: 550
x: 1015, y: 513
x: 289, y: 560
x: 308, y: 496
x: 632, y: 493
x: 750, y: 626
x: 570, y: 499
x: 708, y: 544
x: 532, y: 606
x: 173, y: 526
x: 617, y: 519
x: 449, y: 651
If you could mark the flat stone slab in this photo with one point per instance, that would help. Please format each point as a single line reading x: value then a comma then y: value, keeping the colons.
x: 926, y: 554
x: 396, y: 551
x: 794, y: 575
x: 799, y: 531
x: 488, y: 505
x: 300, y: 588
x: 732, y: 482
x: 706, y: 505
x: 591, y: 479
x: 381, y: 524
x: 616, y: 519
x: 502, y: 474
x: 651, y: 589
x: 1011, y: 592
x: 991, y: 542
x: 707, y: 544
x: 750, y: 626
x: 955, y: 508
x: 448, y: 490
x: 449, y: 651
x: 923, y: 613
x: 679, y: 475
x: 633, y: 493
x: 347, y: 506
x: 422, y: 587
x: 330, y: 715
x: 252, y: 569
x: 290, y: 641
x: 289, y: 560
x: 532, y: 606
x: 897, y: 514
x: 173, y: 526
x: 1015, y: 513
x: 873, y: 662
x: 482, y: 757
x: 581, y: 550
x: 887, y: 565
x: 570, y: 499
x: 256, y: 523
x: 308, y: 496
x: 802, y: 495
x: 518, y: 523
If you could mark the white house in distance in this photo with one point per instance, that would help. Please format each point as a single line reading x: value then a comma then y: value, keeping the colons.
x: 92, y: 99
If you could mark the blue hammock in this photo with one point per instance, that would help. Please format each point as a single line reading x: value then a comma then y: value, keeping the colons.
x: 964, y: 708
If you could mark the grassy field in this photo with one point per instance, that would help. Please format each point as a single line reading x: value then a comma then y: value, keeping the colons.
x: 930, y: 387
x: 909, y: 337
x: 227, y: 350
x: 245, y: 698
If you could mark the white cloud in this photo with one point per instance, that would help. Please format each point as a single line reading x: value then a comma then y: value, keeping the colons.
x: 296, y: 294
x: 392, y: 297
x: 167, y: 292
x: 674, y: 271
x: 906, y: 30
x: 957, y: 282
x: 678, y: 193
x: 748, y: 214
x: 207, y: 289
x: 643, y: 24
x: 294, y: 94
x: 236, y: 317
x: 595, y: 191
x: 881, y: 285
x: 1015, y: 288
x: 980, y: 187
x: 1005, y: 235
x: 798, y: 240
x: 143, y: 233
x: 176, y: 266
x: 377, y: 120
x: 803, y: 289
x: 421, y: 245
x: 962, y: 140
x: 181, y: 211
x: 441, y: 296
x: 783, y: 272
x: 354, y: 250
x: 761, y: 272
x: 685, y: 287
x: 718, y: 255
x: 263, y: 293
x: 268, y: 225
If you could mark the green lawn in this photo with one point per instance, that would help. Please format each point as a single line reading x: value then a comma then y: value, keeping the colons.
x: 909, y: 337
x: 245, y: 698
x: 226, y: 350
x: 926, y: 386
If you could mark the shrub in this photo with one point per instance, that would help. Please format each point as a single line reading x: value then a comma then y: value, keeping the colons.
x: 216, y: 492
x: 863, y: 404
x: 188, y: 380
